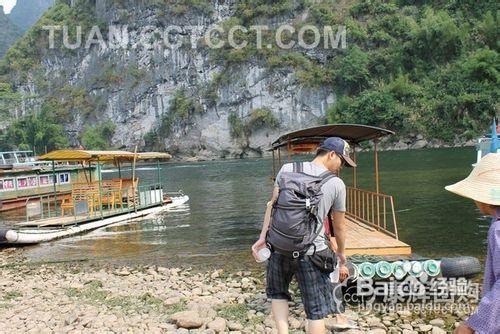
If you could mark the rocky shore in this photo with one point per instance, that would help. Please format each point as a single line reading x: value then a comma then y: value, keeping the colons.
x: 412, y: 142
x: 102, y: 298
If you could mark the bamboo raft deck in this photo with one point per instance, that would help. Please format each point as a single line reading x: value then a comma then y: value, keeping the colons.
x: 70, y: 220
x: 364, y: 239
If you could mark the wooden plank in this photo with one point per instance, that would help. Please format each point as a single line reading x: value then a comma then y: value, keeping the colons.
x: 363, y: 239
x: 379, y: 251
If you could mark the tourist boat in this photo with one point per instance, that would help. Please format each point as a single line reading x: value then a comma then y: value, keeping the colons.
x: 372, y: 242
x: 22, y: 177
x: 485, y: 143
x: 92, y: 201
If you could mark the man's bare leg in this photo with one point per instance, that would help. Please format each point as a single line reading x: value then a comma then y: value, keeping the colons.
x: 280, y: 314
x: 341, y: 319
x: 316, y: 327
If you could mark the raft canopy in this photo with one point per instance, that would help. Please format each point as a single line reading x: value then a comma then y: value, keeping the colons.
x: 101, y: 156
x: 308, y: 139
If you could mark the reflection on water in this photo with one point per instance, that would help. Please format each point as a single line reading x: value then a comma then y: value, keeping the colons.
x: 227, y: 202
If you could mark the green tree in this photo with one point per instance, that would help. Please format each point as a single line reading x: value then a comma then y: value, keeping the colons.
x: 351, y: 70
x: 437, y: 38
x: 98, y: 137
x: 36, y: 131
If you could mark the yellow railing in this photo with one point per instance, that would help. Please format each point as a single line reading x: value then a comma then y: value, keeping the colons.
x: 373, y: 209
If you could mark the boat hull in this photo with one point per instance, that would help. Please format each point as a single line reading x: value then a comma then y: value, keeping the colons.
x: 35, y: 236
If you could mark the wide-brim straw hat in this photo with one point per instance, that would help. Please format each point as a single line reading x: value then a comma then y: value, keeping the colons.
x: 483, y: 183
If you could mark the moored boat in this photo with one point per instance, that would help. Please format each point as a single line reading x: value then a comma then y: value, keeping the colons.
x: 23, y: 177
x: 488, y: 143
x: 95, y: 202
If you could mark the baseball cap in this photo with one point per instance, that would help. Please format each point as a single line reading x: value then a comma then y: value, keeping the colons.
x: 339, y: 146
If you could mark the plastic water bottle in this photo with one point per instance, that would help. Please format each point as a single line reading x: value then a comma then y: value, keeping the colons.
x: 335, y: 274
x: 263, y: 254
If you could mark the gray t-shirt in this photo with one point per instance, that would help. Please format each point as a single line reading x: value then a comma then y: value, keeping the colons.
x: 334, y: 197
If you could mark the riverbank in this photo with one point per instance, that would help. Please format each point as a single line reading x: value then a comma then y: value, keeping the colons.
x: 412, y: 142
x: 77, y: 297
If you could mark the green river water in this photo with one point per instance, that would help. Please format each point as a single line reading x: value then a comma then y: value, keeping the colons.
x: 227, y: 202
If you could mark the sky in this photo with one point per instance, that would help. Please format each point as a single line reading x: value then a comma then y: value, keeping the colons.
x: 7, y: 5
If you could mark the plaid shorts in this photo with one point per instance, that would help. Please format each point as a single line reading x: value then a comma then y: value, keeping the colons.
x: 316, y: 290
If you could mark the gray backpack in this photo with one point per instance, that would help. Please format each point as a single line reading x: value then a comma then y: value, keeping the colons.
x: 294, y: 224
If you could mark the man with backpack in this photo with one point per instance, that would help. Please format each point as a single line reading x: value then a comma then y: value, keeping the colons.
x: 304, y: 195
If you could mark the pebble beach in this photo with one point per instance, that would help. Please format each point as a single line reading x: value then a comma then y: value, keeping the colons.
x: 83, y: 297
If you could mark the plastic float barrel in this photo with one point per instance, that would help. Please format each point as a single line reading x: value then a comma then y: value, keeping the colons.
x: 398, y: 270
x: 8, y: 236
x: 463, y: 266
x: 417, y: 269
x: 367, y: 270
x: 432, y: 268
x: 383, y: 269
x: 407, y: 266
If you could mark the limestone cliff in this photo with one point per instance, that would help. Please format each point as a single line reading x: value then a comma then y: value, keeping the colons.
x: 8, y: 32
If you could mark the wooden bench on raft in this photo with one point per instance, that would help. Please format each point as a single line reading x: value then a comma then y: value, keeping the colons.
x: 114, y: 193
x: 81, y: 192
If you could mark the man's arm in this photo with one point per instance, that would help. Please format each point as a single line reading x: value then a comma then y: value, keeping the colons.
x: 269, y: 209
x: 267, y: 221
x: 338, y: 218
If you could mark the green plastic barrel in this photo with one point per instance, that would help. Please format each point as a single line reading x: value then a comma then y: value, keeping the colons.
x: 407, y: 266
x: 432, y: 268
x: 417, y: 269
x: 398, y: 270
x: 383, y: 269
x: 367, y: 270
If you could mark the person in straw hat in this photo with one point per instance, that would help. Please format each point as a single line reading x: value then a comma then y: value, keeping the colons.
x: 483, y: 186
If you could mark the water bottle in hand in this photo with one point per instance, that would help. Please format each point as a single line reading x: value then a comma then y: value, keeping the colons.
x: 335, y: 274
x: 263, y: 254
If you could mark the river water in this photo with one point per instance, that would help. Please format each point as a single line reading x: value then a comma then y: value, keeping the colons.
x: 227, y: 200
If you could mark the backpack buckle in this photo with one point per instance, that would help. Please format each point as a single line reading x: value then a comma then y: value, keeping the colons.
x: 308, y: 203
x: 296, y: 254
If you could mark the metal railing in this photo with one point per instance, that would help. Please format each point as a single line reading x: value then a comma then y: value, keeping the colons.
x: 93, y: 205
x: 41, y: 207
x: 373, y: 209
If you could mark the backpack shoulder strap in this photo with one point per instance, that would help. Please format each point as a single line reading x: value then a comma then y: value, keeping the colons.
x: 325, y: 177
x: 298, y: 167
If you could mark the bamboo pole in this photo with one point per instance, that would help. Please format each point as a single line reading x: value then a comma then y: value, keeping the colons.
x: 274, y: 164
x: 99, y: 177
x: 54, y: 178
x: 376, y: 166
x: 288, y: 151
x: 158, y: 175
x: 133, y: 177
x: 394, y: 219
x: 84, y: 173
x: 354, y: 170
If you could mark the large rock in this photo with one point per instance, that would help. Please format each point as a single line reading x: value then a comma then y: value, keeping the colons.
x: 234, y: 326
x: 437, y: 322
x: 437, y: 330
x: 187, y: 319
x: 424, y: 328
x: 218, y: 325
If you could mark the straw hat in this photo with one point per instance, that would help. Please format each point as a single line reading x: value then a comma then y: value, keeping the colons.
x: 483, y: 183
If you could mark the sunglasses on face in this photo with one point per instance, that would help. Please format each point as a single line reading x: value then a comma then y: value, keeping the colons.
x: 343, y: 161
